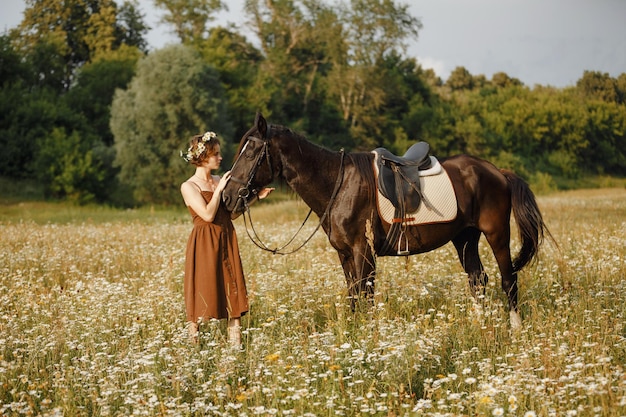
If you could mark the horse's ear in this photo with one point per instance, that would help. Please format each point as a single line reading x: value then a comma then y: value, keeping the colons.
x: 261, y: 124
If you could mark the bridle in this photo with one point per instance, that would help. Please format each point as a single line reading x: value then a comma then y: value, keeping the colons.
x: 244, y: 193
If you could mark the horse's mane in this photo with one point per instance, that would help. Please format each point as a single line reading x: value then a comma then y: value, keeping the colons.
x: 363, y: 163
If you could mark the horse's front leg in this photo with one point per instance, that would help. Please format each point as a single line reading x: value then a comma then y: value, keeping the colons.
x: 359, y: 268
x: 347, y: 263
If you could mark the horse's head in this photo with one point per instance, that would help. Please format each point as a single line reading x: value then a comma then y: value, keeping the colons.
x: 252, y: 169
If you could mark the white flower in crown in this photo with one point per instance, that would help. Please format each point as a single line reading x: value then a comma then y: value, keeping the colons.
x: 189, y: 155
x: 208, y: 136
x: 200, y: 147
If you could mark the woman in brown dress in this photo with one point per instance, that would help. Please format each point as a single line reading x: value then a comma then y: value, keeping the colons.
x: 214, y: 284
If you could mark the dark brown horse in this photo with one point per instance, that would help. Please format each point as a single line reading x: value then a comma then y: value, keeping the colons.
x: 341, y: 189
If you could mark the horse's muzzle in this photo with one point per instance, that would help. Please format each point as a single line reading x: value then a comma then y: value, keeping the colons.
x: 236, y: 205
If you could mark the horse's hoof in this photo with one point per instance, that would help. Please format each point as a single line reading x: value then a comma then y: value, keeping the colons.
x: 516, y: 320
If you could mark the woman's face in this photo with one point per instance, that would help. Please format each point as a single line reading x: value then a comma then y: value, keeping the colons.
x: 213, y: 161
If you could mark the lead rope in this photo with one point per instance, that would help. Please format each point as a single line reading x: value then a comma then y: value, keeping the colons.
x: 279, y: 251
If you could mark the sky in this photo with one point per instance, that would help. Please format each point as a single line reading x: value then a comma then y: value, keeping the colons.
x: 547, y: 42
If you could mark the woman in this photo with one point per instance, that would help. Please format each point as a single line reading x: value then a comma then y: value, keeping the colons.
x: 214, y: 284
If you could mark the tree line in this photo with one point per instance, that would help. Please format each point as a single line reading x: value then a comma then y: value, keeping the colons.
x: 95, y: 116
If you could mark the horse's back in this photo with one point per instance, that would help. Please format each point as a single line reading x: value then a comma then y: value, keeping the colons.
x: 477, y: 183
x: 473, y: 170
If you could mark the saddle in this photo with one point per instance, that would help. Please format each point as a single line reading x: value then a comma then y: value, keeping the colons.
x: 399, y: 182
x: 399, y: 176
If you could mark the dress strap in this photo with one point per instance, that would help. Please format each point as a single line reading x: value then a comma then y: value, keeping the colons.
x: 196, y: 185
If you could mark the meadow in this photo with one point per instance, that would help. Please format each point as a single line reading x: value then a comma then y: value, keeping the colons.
x: 92, y: 322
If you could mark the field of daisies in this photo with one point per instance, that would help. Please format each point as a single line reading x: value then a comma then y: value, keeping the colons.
x: 92, y: 323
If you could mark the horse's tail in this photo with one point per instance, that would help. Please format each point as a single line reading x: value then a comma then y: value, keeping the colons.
x: 528, y: 218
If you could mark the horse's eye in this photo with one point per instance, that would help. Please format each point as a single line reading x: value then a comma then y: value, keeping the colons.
x: 249, y: 154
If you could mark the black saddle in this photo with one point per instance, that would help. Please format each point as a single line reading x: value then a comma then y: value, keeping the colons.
x: 399, y: 182
x: 399, y: 176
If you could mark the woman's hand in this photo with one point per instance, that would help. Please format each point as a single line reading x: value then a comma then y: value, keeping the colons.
x: 223, y: 181
x: 265, y: 192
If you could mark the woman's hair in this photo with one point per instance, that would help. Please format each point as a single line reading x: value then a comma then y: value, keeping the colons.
x: 201, y: 147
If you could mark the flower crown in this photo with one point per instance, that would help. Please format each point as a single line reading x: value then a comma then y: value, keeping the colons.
x: 200, y: 147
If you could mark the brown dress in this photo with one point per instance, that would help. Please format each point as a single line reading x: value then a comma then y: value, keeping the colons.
x: 214, y: 281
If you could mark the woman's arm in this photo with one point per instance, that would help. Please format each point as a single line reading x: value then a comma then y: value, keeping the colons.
x: 193, y: 198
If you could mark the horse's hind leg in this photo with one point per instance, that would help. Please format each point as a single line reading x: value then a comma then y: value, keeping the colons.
x: 500, y: 245
x: 466, y: 244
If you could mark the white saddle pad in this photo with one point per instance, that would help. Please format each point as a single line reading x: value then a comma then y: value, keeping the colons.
x: 437, y: 189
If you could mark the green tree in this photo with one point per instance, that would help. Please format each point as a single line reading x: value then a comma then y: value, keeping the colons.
x: 324, y: 67
x: 95, y: 85
x: 621, y: 88
x: 100, y: 29
x: 237, y: 62
x: 13, y: 69
x: 503, y: 80
x: 292, y: 36
x: 373, y: 29
x: 595, y: 84
x: 75, y: 31
x: 605, y: 128
x: 17, y: 151
x: 92, y: 94
x: 460, y: 79
x: 130, y: 27
x: 48, y: 67
x: 31, y: 110
x: 15, y: 78
x: 190, y: 18
x: 407, y: 103
x: 42, y: 137
x: 67, y: 167
x: 173, y: 96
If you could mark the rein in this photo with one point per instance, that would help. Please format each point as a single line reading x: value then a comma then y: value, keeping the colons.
x: 280, y: 250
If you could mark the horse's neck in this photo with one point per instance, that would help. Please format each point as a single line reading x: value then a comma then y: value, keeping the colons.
x: 311, y: 171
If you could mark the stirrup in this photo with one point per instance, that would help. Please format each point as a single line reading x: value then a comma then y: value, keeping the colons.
x: 406, y: 251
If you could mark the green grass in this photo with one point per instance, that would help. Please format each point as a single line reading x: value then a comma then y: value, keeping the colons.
x: 591, y: 182
x: 66, y: 213
x: 92, y: 322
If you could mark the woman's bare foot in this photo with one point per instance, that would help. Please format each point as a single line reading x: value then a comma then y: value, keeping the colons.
x: 234, y: 333
x: 192, y: 328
